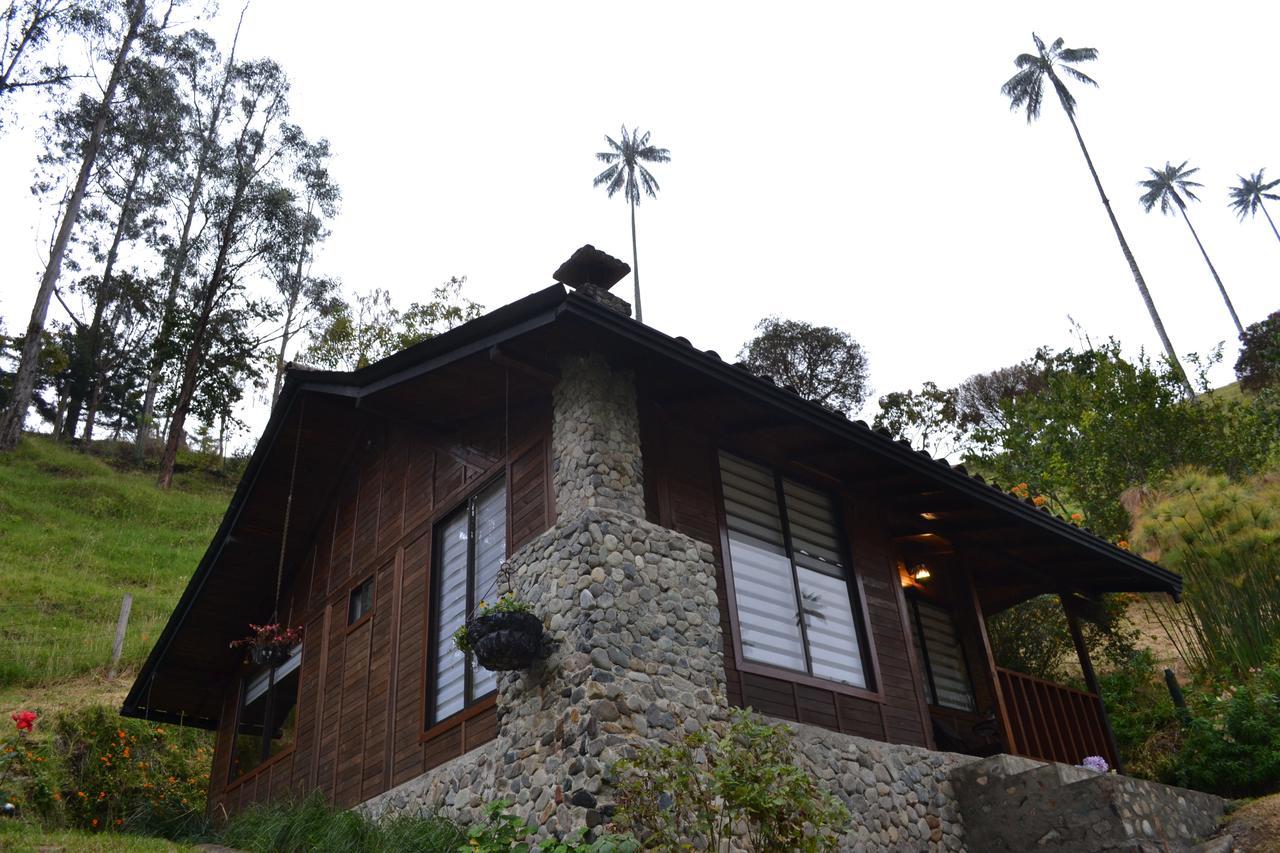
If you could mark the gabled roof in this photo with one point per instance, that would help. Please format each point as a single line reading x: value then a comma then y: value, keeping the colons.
x: 184, y: 676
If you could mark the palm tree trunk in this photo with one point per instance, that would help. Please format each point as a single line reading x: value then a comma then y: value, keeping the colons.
x: 635, y: 262
x: 24, y: 379
x: 1221, y: 289
x: 1269, y: 222
x: 1133, y: 266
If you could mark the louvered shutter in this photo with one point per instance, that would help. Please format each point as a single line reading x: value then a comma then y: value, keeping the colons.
x: 946, y: 658
x: 764, y: 588
x: 834, y: 651
x: 491, y: 550
x: 451, y: 664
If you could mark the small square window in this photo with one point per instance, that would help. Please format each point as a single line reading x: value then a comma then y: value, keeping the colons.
x: 361, y: 602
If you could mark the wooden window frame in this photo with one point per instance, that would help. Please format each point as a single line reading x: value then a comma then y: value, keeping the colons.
x: 470, y: 707
x: 372, y: 581
x: 914, y: 600
x: 853, y: 584
x: 267, y: 760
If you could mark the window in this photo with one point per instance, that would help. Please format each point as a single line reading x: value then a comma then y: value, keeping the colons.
x: 946, y: 668
x: 268, y: 713
x: 361, y: 602
x: 790, y: 576
x: 470, y: 547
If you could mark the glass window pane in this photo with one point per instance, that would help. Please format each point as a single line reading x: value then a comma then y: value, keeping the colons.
x: 491, y: 550
x: 946, y: 658
x: 829, y: 626
x: 451, y: 614
x: 764, y: 589
x: 361, y: 602
x: 815, y: 534
x: 247, y: 753
x: 284, y: 703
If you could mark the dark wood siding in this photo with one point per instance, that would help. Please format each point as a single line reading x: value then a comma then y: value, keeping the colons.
x: 681, y: 472
x: 361, y: 694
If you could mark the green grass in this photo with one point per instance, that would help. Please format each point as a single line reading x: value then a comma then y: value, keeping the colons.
x: 18, y: 836
x: 311, y: 826
x: 76, y: 534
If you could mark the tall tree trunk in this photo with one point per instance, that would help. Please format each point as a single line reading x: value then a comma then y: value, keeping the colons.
x: 25, y: 378
x: 106, y: 295
x: 1133, y: 265
x: 1221, y: 289
x: 284, y: 342
x: 184, y: 244
x: 1269, y: 222
x: 635, y: 262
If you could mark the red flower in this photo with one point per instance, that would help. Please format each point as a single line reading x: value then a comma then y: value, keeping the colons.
x: 25, y: 720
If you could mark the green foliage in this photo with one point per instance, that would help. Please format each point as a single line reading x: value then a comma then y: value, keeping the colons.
x: 75, y: 535
x: 502, y: 832
x: 930, y: 419
x: 376, y: 328
x: 1224, y: 539
x: 312, y: 825
x: 1103, y: 423
x: 1231, y: 744
x: 1259, y: 363
x: 1032, y: 637
x: 1138, y: 704
x: 822, y: 364
x: 92, y: 769
x: 695, y: 792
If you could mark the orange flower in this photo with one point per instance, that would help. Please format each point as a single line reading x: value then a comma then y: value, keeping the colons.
x: 1039, y: 500
x: 1123, y: 544
x: 1077, y: 517
x: 119, y: 821
x: 95, y: 821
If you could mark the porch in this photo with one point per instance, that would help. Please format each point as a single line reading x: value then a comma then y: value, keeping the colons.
x: 976, y: 706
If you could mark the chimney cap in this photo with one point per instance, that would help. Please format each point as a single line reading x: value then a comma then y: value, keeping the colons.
x: 589, y: 265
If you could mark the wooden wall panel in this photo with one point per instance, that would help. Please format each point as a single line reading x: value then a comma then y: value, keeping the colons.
x: 366, y: 537
x: 352, y: 720
x: 391, y: 499
x: 376, y: 722
x: 419, y: 483
x: 331, y: 703
x: 528, y: 494
x: 309, y: 703
x: 406, y: 759
x: 344, y: 532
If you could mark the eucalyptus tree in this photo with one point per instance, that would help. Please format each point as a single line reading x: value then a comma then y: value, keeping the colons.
x: 33, y: 28
x: 1167, y: 188
x: 626, y: 173
x: 313, y: 201
x: 1248, y: 195
x: 207, y: 90
x: 241, y: 202
x: 1026, y: 90
x: 143, y: 145
x: 128, y: 24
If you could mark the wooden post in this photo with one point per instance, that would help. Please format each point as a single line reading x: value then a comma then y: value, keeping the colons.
x: 123, y: 623
x: 1002, y: 710
x: 1090, y: 678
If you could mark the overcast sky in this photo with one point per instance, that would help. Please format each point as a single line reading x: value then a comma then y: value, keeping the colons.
x: 853, y: 165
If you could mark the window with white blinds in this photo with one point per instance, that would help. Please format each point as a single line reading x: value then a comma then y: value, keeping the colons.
x: 946, y: 680
x: 471, y: 545
x: 790, y: 575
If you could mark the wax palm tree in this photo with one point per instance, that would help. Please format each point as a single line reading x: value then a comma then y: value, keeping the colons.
x: 1167, y: 187
x: 626, y: 173
x: 1025, y: 90
x: 1246, y: 198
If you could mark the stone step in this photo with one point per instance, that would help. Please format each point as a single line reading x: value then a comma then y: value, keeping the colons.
x: 1020, y: 805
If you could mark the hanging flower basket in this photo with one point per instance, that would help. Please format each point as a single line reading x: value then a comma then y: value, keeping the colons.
x: 503, y: 636
x: 506, y: 641
x: 269, y: 644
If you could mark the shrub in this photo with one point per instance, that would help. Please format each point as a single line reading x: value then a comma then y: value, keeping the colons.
x: 502, y: 832
x: 311, y: 824
x: 701, y: 789
x: 1138, y: 705
x: 91, y: 769
x: 1032, y: 637
x: 1231, y: 744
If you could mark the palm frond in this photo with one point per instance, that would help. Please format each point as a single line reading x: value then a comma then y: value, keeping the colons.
x: 648, y: 182
x: 1064, y: 95
x: 1078, y: 54
x: 1039, y: 44
x: 1079, y: 76
x: 651, y: 154
x: 1025, y: 60
x: 606, y: 176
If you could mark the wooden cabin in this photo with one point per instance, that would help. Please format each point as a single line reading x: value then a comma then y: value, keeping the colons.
x: 853, y: 575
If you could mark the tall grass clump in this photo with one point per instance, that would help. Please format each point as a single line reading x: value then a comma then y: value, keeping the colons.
x: 1224, y: 539
x: 310, y: 825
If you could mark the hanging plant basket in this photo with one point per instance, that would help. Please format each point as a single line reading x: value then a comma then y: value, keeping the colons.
x: 270, y: 655
x: 269, y: 644
x: 505, y: 641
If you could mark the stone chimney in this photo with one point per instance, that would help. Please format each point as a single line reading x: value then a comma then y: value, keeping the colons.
x: 592, y: 272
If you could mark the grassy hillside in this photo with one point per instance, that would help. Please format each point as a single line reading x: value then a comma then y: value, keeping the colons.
x: 76, y: 534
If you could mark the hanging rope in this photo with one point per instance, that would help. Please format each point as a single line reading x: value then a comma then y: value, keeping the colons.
x: 288, y: 508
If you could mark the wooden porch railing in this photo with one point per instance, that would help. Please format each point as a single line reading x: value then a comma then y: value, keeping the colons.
x: 1051, y: 722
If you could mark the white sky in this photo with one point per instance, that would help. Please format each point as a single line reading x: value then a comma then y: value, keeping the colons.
x: 849, y: 165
